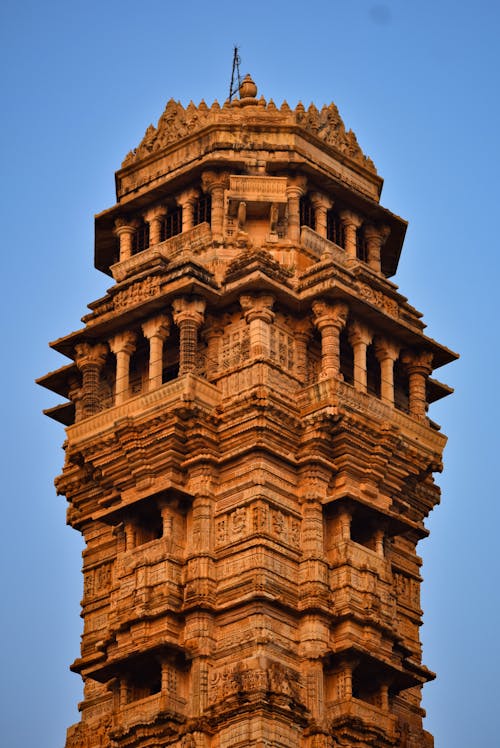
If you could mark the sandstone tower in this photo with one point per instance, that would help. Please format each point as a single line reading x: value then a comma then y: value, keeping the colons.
x: 249, y: 456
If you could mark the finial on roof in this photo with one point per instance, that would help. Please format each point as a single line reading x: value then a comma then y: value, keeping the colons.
x: 248, y: 89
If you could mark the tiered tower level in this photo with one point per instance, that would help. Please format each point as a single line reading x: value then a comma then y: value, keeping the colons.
x: 249, y: 456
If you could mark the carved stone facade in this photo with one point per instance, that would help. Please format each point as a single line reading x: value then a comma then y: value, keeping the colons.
x: 249, y: 456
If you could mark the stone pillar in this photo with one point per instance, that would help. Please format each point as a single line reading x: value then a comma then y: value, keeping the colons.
x: 321, y: 205
x: 154, y: 217
x: 295, y: 189
x: 215, y: 183
x: 360, y: 338
x: 303, y: 333
x: 125, y: 231
x: 344, y: 524
x: 188, y: 315
x: 90, y: 359
x: 259, y: 316
x: 351, y: 222
x: 375, y: 239
x: 187, y: 201
x: 379, y: 536
x: 156, y: 330
x: 386, y: 354
x: 418, y: 366
x: 330, y: 319
x: 123, y: 346
x: 213, y: 333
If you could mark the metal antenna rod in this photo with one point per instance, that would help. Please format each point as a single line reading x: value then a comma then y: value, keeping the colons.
x: 235, y: 75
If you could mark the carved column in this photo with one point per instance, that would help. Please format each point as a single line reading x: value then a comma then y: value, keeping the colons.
x: 188, y: 315
x: 90, y: 359
x: 303, y: 333
x: 294, y: 191
x: 259, y: 316
x: 213, y: 333
x: 154, y: 217
x: 125, y: 231
x: 386, y: 354
x: 360, y: 338
x: 344, y: 524
x: 215, y: 183
x: 375, y: 239
x: 330, y: 319
x: 321, y: 205
x: 187, y: 201
x: 351, y: 222
x: 123, y: 346
x: 156, y: 330
x: 418, y: 366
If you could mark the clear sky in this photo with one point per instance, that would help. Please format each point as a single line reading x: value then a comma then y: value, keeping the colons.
x: 419, y: 84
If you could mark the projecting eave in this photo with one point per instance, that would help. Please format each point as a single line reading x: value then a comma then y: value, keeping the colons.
x: 58, y: 380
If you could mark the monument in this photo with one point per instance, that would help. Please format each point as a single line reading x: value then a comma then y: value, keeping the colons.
x: 249, y: 455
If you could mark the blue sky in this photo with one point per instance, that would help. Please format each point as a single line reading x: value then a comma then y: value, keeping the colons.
x: 418, y: 83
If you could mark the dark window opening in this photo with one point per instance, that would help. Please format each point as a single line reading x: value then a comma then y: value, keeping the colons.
x: 362, y: 532
x: 365, y: 687
x: 202, y: 210
x: 143, y: 679
x: 361, y: 245
x: 148, y: 523
x: 140, y: 239
x: 334, y: 229
x: 372, y: 372
x: 171, y: 224
x: 307, y: 217
x: 170, y: 372
x: 346, y: 358
x: 401, y: 388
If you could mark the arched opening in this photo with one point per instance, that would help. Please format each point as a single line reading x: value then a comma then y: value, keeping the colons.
x: 346, y: 358
x: 171, y: 224
x: 372, y: 371
x: 307, y: 215
x: 140, y: 239
x: 401, y: 387
x: 361, y: 244
x: 202, y: 212
x: 334, y: 228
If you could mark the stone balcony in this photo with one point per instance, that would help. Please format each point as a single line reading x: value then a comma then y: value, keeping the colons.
x: 186, y: 391
x: 321, y: 248
x: 189, y: 242
x: 366, y: 717
x: 328, y: 394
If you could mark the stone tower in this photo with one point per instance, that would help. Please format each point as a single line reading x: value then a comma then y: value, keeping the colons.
x: 249, y: 456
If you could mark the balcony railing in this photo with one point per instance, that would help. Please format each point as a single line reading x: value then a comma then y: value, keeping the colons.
x: 184, y: 390
x: 333, y: 393
x: 370, y: 716
x: 318, y: 246
x: 190, y: 241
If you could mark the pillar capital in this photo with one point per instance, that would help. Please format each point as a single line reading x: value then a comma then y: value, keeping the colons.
x: 157, y: 327
x: 417, y: 362
x: 377, y: 233
x: 192, y: 309
x: 123, y: 342
x: 296, y: 186
x: 188, y: 197
x: 304, y: 328
x: 211, y: 180
x: 329, y: 315
x: 320, y: 201
x: 257, y: 307
x: 155, y: 213
x: 87, y: 354
x: 385, y: 349
x: 359, y: 333
x: 124, y: 226
x: 349, y: 218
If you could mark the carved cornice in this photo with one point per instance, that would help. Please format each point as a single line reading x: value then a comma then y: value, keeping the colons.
x: 178, y: 122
